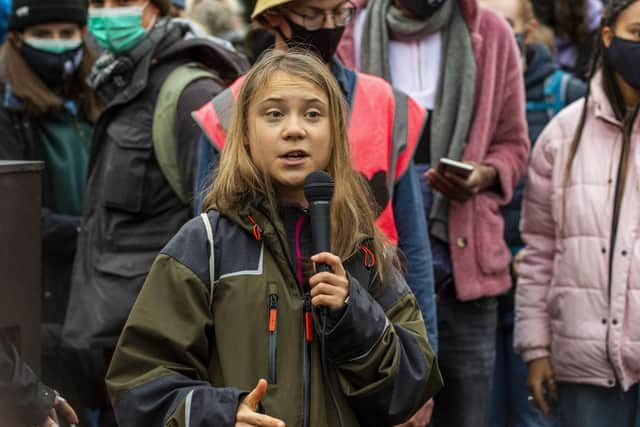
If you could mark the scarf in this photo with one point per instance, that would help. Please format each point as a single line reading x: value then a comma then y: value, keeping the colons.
x: 112, y: 73
x: 453, y: 109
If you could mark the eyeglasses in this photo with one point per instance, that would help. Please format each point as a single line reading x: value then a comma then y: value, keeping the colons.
x: 316, y: 20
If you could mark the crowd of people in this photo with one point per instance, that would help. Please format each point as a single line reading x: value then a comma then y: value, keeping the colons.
x: 484, y: 175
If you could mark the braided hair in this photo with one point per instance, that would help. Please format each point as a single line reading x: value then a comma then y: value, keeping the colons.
x: 601, y: 62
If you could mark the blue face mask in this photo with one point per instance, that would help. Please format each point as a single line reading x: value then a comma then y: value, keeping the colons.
x: 117, y: 29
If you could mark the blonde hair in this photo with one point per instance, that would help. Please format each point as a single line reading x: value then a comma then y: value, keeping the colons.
x: 238, y: 178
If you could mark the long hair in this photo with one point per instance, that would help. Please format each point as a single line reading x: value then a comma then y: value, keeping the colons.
x: 238, y: 178
x: 37, y: 97
x: 600, y: 62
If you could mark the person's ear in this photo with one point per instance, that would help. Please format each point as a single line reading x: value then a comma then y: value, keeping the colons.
x: 532, y: 30
x: 150, y: 15
x: 607, y: 36
x: 274, y: 20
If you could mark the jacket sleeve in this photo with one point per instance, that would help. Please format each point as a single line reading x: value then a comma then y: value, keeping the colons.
x: 158, y: 375
x: 187, y: 131
x: 412, y: 229
x: 21, y: 392
x: 532, y: 337
x: 59, y: 231
x: 379, y: 347
x: 508, y: 150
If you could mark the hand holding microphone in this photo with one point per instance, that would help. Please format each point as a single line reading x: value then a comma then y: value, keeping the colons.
x: 329, y: 286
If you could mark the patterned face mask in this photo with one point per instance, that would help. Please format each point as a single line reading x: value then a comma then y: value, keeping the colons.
x: 54, y: 61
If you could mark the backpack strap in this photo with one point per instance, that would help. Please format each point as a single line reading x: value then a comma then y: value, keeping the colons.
x: 164, y: 118
x: 212, y: 255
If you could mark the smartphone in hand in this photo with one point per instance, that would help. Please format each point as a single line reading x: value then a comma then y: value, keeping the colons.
x: 463, y: 170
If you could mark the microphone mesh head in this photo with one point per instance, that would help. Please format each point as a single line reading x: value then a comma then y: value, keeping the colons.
x: 318, y: 186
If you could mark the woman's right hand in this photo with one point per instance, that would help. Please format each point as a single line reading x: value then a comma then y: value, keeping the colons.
x: 539, y: 373
x: 247, y: 415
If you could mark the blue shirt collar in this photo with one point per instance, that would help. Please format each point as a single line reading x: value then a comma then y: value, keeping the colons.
x: 12, y: 102
x: 346, y: 78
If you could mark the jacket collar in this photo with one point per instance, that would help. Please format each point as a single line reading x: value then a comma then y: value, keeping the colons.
x: 602, y: 106
x: 471, y: 13
x: 12, y: 103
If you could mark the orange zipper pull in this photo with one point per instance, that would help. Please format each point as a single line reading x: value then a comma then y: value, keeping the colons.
x: 308, y: 319
x: 273, y: 312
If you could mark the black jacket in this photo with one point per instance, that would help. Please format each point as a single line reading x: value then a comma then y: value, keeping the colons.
x: 130, y: 211
x: 23, y: 398
x: 59, y: 231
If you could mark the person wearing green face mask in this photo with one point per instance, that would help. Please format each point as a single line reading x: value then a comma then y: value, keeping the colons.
x: 47, y: 113
x: 152, y: 73
x: 118, y: 29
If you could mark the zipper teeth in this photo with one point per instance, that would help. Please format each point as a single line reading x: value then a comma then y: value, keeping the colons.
x: 273, y: 338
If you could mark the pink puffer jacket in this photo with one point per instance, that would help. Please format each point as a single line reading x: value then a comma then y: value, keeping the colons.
x: 564, y: 304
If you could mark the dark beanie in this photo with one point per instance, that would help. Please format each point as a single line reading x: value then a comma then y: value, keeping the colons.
x: 25, y: 13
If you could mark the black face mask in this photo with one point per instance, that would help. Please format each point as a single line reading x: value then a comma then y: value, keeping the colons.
x: 624, y: 57
x: 323, y: 41
x: 422, y: 8
x: 54, y: 69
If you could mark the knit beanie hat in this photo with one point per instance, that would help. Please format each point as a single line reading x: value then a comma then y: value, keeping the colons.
x: 25, y: 13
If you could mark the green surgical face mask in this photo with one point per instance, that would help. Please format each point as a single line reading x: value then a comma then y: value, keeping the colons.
x: 53, y: 45
x: 117, y: 29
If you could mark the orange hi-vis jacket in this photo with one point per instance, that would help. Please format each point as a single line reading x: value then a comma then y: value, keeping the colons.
x: 384, y: 128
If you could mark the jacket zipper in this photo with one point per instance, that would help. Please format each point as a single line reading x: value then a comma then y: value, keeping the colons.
x: 307, y: 332
x: 273, y: 338
x: 612, y: 243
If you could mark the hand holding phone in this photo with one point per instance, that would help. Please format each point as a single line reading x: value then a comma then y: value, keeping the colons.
x: 463, y: 170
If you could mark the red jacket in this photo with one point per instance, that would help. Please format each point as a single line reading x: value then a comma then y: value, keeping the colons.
x: 384, y: 128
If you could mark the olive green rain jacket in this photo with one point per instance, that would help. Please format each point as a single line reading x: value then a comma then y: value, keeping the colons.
x: 190, y: 351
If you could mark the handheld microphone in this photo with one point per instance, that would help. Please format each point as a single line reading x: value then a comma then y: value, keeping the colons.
x: 318, y: 190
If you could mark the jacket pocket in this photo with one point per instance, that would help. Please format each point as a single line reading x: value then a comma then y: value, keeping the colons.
x: 491, y: 249
x: 272, y: 330
x: 130, y: 147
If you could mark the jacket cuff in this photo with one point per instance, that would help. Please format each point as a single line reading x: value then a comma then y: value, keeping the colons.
x: 505, y: 179
x: 534, y: 353
x: 359, y: 328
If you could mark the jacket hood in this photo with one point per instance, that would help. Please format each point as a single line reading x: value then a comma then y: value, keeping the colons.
x: 540, y: 65
x: 227, y: 63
